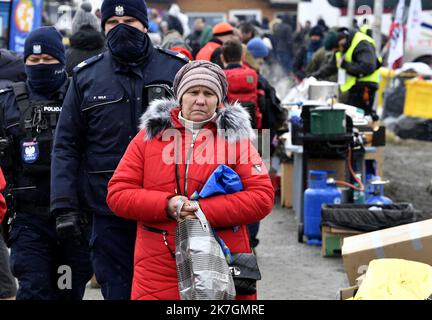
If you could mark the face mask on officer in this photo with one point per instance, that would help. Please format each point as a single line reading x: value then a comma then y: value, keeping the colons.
x: 129, y: 43
x: 45, y: 74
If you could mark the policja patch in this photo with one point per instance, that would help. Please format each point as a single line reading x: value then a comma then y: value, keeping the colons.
x: 29, y: 151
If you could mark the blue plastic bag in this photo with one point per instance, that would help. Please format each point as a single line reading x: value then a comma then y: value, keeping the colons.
x: 223, y: 180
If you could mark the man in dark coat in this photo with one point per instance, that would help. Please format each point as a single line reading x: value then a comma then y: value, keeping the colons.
x: 100, y: 116
x: 47, y: 266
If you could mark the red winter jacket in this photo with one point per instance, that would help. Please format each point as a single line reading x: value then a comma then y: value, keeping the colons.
x: 2, y: 199
x: 145, y: 179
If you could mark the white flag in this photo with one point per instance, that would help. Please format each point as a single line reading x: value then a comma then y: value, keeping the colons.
x: 414, y: 23
x: 396, y: 49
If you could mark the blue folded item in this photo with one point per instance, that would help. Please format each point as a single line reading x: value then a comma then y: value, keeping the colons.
x: 223, y: 180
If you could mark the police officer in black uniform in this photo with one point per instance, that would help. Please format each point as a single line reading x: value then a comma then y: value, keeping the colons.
x: 46, y: 266
x: 100, y: 116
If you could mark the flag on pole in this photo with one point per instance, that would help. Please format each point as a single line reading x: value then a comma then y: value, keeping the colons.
x: 396, y: 49
x: 414, y: 23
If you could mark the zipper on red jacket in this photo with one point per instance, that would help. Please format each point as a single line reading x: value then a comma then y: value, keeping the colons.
x: 164, y: 233
x: 190, y: 151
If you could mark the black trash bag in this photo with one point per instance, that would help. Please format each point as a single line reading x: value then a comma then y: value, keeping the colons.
x: 367, y: 217
x: 413, y: 128
x: 394, y: 101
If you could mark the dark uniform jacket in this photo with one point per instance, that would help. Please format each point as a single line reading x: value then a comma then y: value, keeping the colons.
x: 99, y: 118
x: 364, y: 62
x: 29, y: 188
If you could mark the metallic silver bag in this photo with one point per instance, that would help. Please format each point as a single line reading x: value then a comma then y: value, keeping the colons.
x: 203, y: 272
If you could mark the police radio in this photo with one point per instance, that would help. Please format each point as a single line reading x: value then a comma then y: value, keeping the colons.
x: 157, y: 91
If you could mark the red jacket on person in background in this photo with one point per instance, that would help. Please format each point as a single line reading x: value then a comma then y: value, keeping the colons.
x: 2, y: 199
x: 145, y: 180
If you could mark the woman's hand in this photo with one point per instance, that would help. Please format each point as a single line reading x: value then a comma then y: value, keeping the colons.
x: 187, y: 210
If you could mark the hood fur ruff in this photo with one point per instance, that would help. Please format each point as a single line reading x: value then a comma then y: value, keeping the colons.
x: 233, y: 118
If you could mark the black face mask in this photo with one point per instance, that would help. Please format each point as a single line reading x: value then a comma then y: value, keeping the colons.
x: 129, y: 45
x: 46, y: 78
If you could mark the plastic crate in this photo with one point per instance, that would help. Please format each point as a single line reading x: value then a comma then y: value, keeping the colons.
x: 418, y: 100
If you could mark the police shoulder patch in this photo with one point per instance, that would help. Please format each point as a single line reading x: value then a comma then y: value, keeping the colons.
x: 88, y: 62
x: 173, y: 54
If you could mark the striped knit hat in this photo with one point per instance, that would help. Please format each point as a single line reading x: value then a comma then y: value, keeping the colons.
x: 201, y: 73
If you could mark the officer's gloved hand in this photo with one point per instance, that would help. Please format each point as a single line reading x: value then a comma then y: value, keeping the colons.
x: 69, y: 225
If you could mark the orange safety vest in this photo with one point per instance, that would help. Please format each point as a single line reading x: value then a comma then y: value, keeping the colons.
x: 207, y: 51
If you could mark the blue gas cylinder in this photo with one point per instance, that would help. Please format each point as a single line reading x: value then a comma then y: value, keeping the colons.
x: 321, y: 191
x: 376, y: 193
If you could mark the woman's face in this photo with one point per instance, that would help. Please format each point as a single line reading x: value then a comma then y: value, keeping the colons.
x: 199, y: 104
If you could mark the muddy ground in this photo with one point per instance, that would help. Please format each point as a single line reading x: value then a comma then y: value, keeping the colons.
x: 408, y: 166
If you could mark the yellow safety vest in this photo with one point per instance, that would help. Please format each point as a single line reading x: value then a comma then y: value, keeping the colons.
x: 352, y: 80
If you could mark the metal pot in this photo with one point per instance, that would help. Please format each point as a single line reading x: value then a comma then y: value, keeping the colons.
x: 323, y: 90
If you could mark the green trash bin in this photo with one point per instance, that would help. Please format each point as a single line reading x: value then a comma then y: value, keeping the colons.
x: 327, y: 121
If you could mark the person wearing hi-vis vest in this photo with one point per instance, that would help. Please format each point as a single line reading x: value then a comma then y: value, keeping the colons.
x: 357, y: 66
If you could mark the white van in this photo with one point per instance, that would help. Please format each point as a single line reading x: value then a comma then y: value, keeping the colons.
x: 423, y: 51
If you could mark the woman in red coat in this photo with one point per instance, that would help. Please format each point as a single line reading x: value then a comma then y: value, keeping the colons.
x: 195, y: 133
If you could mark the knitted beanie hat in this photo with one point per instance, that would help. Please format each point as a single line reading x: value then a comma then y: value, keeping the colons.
x: 201, y: 73
x: 119, y: 8
x: 84, y: 17
x: 316, y: 31
x: 257, y: 48
x: 45, y: 40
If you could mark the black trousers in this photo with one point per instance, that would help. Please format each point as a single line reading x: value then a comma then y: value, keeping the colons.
x: 41, y: 262
x: 362, y: 96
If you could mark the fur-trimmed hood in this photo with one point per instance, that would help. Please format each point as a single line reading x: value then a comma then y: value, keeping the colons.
x: 232, y: 119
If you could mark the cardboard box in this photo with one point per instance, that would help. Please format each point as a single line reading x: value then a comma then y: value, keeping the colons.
x: 338, y: 165
x: 332, y: 240
x: 378, y: 156
x: 411, y: 241
x: 350, y: 292
x: 286, y: 184
x: 347, y: 293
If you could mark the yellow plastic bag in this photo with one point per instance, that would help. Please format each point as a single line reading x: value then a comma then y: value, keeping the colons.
x: 396, y: 279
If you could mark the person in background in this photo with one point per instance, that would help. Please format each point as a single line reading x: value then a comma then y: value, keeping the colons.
x: 11, y: 68
x: 306, y: 52
x: 175, y: 11
x: 222, y: 32
x: 145, y: 188
x: 322, y: 59
x: 283, y: 36
x: 357, y: 64
x: 193, y: 40
x: 86, y: 40
x: 247, y: 30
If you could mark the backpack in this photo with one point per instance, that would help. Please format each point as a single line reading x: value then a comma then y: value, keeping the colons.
x: 243, y: 87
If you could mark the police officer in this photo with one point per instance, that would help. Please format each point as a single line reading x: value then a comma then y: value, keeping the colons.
x: 100, y: 116
x: 46, y: 266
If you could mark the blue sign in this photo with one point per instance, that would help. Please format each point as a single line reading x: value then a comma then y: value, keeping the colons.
x: 26, y: 15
